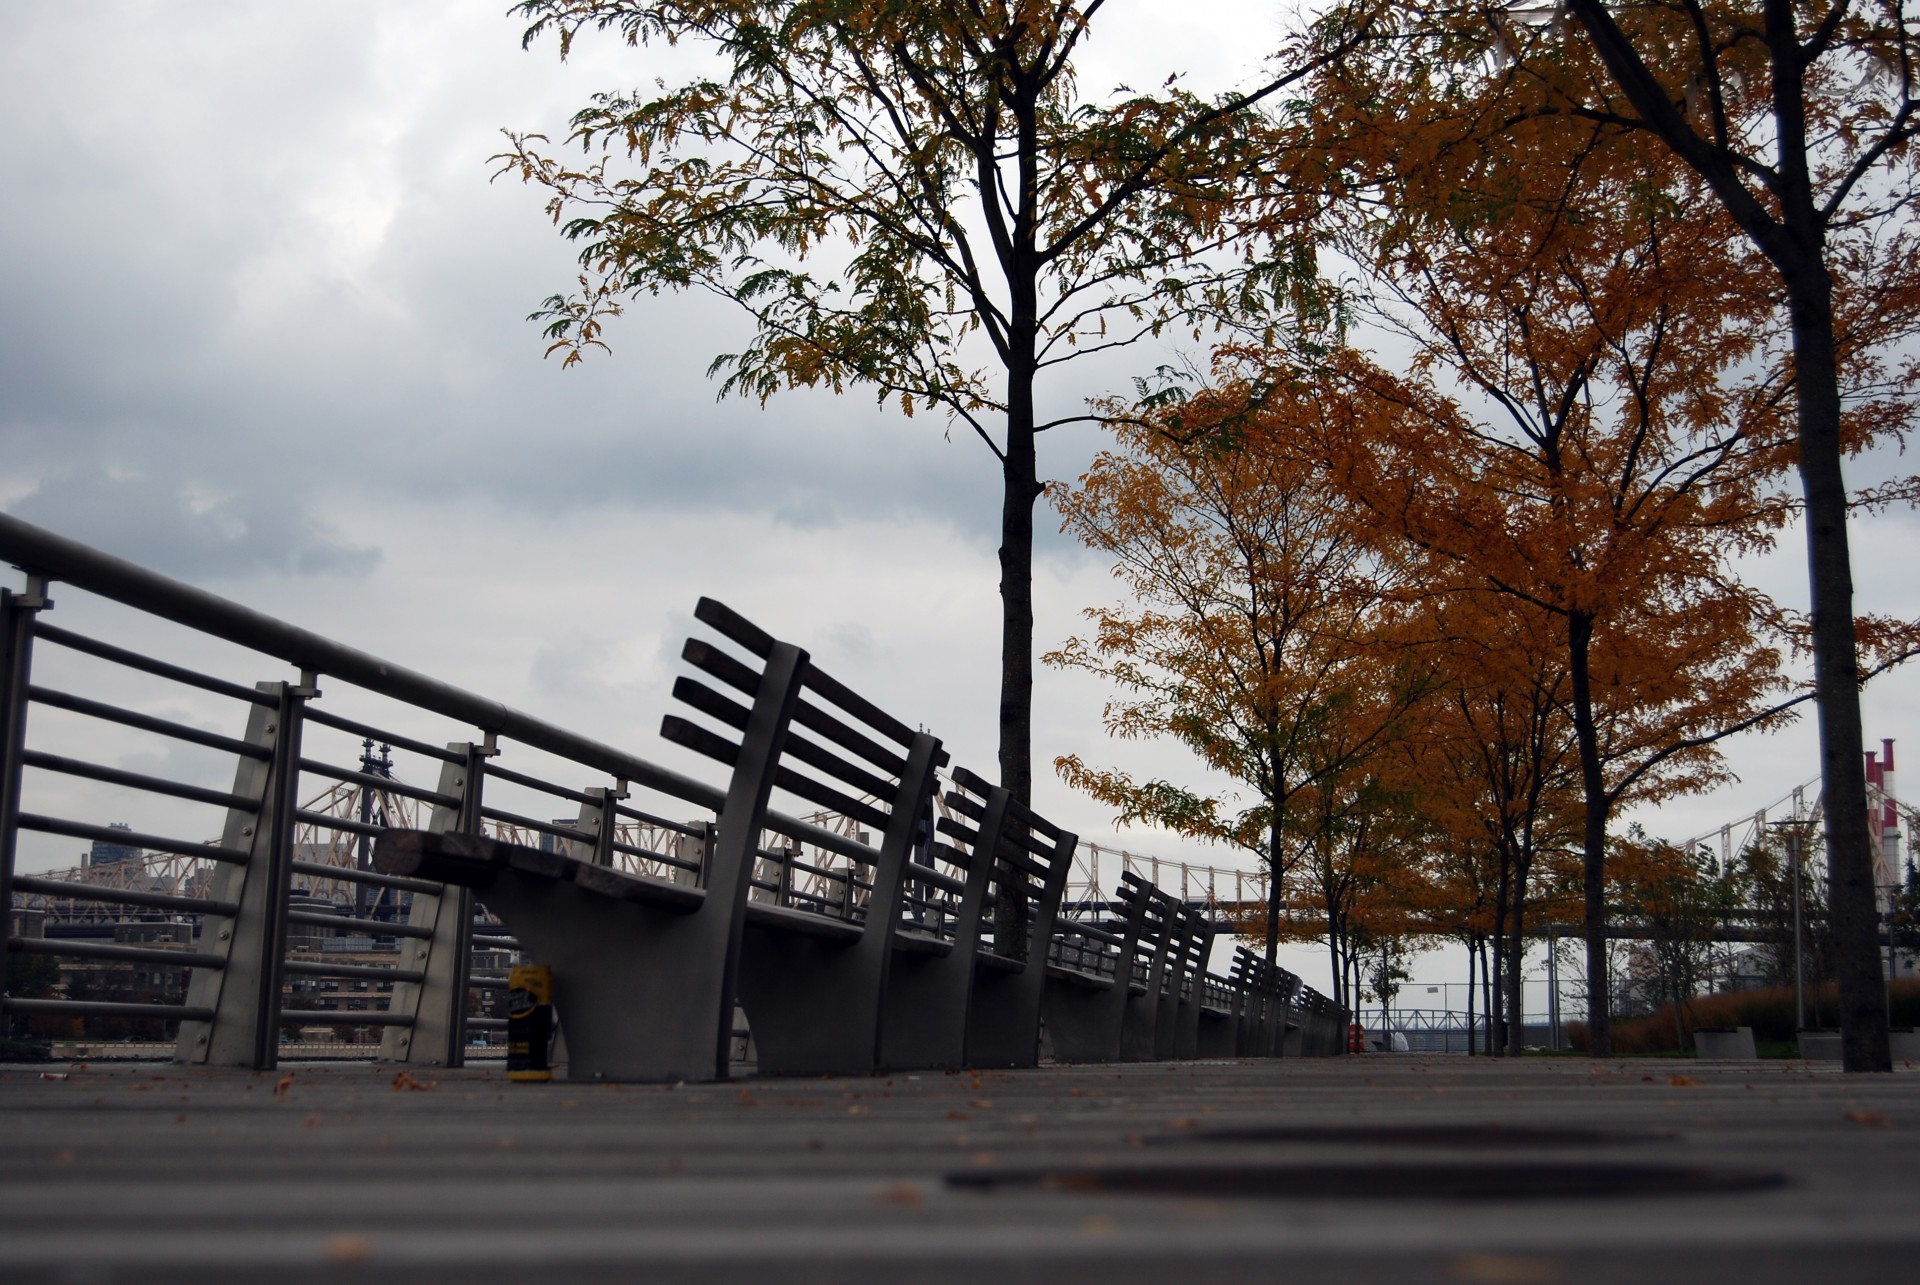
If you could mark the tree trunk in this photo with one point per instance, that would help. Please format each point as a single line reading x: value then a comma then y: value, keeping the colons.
x: 1795, y: 243
x: 1471, y: 1041
x: 1516, y: 959
x: 1274, y: 890
x: 1020, y: 488
x: 1496, y: 1005
x: 1593, y: 841
x: 1850, y: 888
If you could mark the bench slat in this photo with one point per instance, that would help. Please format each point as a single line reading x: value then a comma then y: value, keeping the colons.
x: 786, y: 919
x: 693, y: 692
x: 742, y: 678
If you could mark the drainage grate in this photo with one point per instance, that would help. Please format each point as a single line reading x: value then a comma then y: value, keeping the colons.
x: 1488, y: 1136
x: 1378, y: 1182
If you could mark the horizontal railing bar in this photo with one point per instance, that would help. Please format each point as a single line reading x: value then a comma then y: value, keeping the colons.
x: 341, y: 1017
x: 132, y: 838
x: 818, y: 836
x: 487, y: 983
x: 103, y: 1008
x: 346, y: 824
x: 122, y: 896
x: 647, y: 818
x: 373, y: 877
x: 370, y: 972
x: 35, y: 549
x: 72, y: 949
x: 678, y: 863
x: 136, y: 780
x: 572, y: 795
x: 383, y: 783
x: 940, y: 879
x: 367, y: 731
x: 55, y: 699
x: 148, y: 665
x: 486, y: 1023
x: 346, y: 923
x: 544, y: 827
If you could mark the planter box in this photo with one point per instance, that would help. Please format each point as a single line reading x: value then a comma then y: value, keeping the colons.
x: 1820, y: 1046
x: 1725, y: 1045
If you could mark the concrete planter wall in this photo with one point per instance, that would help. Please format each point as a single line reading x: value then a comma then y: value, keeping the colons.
x: 1820, y: 1046
x: 1725, y: 1046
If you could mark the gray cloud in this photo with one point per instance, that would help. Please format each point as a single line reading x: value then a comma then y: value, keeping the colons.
x: 163, y: 525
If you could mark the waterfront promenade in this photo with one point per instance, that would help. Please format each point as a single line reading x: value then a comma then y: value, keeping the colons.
x: 1359, y: 1169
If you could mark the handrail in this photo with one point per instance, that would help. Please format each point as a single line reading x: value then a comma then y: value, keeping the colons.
x: 38, y: 551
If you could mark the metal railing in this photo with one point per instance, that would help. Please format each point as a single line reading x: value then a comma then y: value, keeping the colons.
x: 294, y: 928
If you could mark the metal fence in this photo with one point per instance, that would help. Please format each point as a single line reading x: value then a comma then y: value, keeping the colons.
x: 255, y: 916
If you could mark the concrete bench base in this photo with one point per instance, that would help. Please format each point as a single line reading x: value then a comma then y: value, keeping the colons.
x: 1725, y: 1046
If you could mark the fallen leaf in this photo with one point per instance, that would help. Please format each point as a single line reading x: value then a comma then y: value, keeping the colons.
x: 404, y: 1081
x: 981, y: 1104
x: 349, y: 1249
x: 286, y: 1082
x: 1682, y: 1081
x: 1872, y: 1120
x: 900, y: 1193
x: 856, y: 1109
x: 1506, y: 1269
x: 314, y: 1121
x: 958, y: 1115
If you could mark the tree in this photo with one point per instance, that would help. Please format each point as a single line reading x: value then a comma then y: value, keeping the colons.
x: 1259, y: 634
x: 1592, y: 424
x: 1801, y: 118
x: 1495, y: 756
x: 1797, y: 120
x: 942, y: 161
x: 1680, y: 902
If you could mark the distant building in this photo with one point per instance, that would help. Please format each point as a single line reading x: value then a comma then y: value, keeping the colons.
x: 104, y: 853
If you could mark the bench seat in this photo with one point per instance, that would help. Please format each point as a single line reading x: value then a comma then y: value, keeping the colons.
x: 787, y: 919
x: 910, y: 943
x: 1074, y: 977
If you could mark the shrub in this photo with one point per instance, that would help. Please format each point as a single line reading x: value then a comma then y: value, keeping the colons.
x: 1769, y: 1012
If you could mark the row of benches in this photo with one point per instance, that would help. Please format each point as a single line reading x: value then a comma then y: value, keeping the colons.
x: 908, y: 967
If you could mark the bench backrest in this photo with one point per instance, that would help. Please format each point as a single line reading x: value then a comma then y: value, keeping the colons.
x: 802, y: 732
x: 1030, y: 861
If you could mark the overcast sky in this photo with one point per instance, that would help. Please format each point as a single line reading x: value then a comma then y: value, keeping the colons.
x: 262, y: 328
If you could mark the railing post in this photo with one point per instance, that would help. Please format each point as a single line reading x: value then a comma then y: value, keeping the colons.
x: 245, y: 995
x: 17, y: 612
x: 598, y: 820
x: 437, y: 1003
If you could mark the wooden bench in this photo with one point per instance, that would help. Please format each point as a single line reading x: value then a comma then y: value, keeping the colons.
x: 1092, y: 973
x: 1190, y: 939
x: 1025, y: 857
x: 1218, y: 1031
x: 930, y: 985
x: 810, y: 976
x: 647, y: 972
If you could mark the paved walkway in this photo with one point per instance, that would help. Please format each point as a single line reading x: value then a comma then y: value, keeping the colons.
x: 1368, y: 1169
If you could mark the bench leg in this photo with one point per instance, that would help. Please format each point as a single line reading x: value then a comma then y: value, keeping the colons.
x: 1082, y: 1022
x: 1003, y: 1020
x: 637, y: 989
x: 924, y: 1013
x: 814, y: 1006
